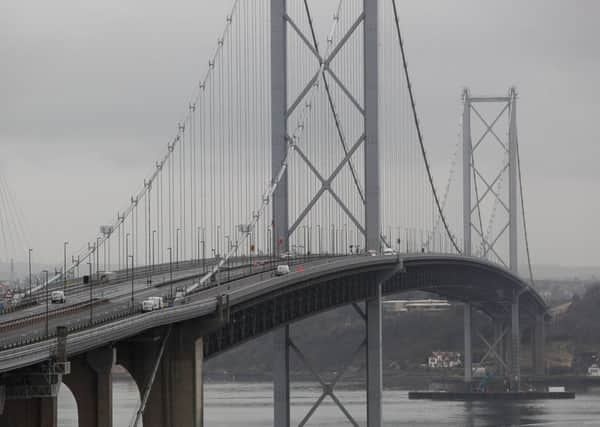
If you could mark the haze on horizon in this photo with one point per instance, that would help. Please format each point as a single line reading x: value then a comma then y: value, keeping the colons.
x: 93, y: 91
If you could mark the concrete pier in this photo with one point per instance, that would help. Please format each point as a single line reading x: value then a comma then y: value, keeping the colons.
x: 281, y: 377
x: 175, y: 398
x: 90, y: 381
x: 35, y: 412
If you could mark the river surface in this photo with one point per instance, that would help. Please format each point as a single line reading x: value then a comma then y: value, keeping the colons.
x: 250, y: 405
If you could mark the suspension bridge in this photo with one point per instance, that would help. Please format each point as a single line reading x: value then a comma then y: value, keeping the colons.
x: 300, y: 145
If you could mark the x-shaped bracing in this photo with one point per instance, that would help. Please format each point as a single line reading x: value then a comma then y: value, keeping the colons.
x: 489, y: 187
x: 328, y: 388
x: 491, y: 348
x: 490, y: 246
x: 326, y: 185
x: 489, y: 128
x: 325, y: 63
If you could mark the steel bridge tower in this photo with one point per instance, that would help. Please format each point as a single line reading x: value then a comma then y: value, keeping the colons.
x: 471, y: 208
x: 280, y: 112
x: 471, y: 173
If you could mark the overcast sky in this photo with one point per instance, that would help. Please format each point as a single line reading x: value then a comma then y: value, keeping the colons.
x: 91, y: 91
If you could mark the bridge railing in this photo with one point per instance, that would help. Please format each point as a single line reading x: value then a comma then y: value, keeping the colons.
x: 227, y: 275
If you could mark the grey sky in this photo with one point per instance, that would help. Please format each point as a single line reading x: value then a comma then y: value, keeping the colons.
x: 92, y: 92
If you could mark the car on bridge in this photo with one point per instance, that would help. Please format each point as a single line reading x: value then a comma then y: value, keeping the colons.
x: 282, y: 270
x: 106, y: 276
x: 180, y: 292
x: 287, y: 255
x: 58, y: 297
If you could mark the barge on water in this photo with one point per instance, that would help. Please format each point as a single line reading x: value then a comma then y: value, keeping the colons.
x: 474, y: 396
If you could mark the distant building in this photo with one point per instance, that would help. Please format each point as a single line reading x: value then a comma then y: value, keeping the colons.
x: 397, y: 306
x: 593, y: 370
x: 444, y: 360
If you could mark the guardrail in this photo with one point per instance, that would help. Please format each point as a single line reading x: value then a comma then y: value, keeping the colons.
x: 28, y: 302
x: 232, y: 274
x: 28, y: 320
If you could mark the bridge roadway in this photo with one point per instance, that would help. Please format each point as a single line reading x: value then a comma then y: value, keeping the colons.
x: 77, y: 292
x: 490, y: 292
x: 113, y: 297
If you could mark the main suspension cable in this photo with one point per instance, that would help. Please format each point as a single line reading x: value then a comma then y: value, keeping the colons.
x: 419, y: 134
x: 523, y: 215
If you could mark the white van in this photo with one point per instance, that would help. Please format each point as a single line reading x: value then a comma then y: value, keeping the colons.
x: 180, y: 292
x: 282, y: 270
x: 152, y: 303
x: 158, y: 302
x: 147, y: 305
x: 58, y: 297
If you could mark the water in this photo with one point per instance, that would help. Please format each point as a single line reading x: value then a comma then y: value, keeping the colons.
x: 250, y: 405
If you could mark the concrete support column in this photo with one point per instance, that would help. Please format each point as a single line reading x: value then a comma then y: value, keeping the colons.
x: 538, y: 346
x: 374, y: 360
x: 176, y: 395
x: 90, y: 381
x: 2, y: 398
x: 281, y: 377
x: 468, y: 358
x: 515, y: 358
x: 36, y: 412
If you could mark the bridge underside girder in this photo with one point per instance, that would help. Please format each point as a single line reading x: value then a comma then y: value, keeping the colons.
x: 478, y: 285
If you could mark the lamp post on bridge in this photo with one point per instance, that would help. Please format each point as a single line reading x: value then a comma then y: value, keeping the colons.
x: 152, y: 268
x: 203, y: 241
x: 97, y: 258
x: 171, y: 269
x: 332, y: 239
x: 65, y: 266
x: 76, y: 264
x: 346, y: 238
x: 47, y: 307
x: 127, y: 254
x: 218, y: 240
x: 304, y: 240
x: 29, y: 253
x: 319, y: 237
x: 228, y: 250
x: 177, y: 246
x: 197, y: 246
x: 132, y: 289
x: 91, y: 305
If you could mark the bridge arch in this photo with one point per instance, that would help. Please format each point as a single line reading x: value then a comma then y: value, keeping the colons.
x: 67, y: 408
x: 484, y: 285
x: 90, y: 382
